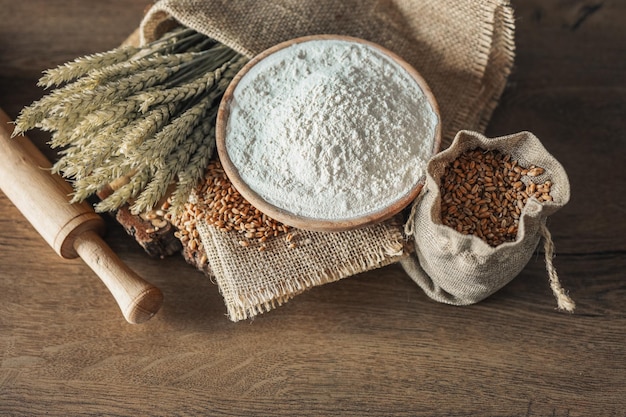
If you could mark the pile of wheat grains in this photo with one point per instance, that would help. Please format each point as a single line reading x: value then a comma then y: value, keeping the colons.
x: 483, y: 194
x: 219, y: 204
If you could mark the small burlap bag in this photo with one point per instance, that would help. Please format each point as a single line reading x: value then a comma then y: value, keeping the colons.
x: 464, y: 50
x: 461, y: 269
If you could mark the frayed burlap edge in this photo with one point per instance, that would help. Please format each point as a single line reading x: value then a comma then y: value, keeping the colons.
x: 245, y: 298
x: 494, y: 65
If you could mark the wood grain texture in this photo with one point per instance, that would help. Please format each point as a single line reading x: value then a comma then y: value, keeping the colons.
x: 368, y: 345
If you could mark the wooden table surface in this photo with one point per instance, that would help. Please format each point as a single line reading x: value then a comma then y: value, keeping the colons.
x: 373, y: 344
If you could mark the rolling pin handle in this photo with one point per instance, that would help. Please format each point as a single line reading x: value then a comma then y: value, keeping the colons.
x: 138, y: 299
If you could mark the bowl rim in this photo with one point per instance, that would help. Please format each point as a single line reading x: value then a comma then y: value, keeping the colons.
x: 285, y: 216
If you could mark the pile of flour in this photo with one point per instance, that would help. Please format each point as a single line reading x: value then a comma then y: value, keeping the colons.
x: 330, y: 129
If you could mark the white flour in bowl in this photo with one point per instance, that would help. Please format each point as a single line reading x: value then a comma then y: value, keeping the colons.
x: 330, y: 129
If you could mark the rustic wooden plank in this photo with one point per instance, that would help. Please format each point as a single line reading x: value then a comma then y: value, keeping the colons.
x: 45, y: 33
x: 368, y: 345
x: 75, y: 394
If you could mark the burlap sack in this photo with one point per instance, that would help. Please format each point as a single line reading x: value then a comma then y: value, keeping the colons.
x: 461, y: 269
x: 464, y: 50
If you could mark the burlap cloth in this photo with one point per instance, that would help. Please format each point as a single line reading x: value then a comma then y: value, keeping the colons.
x: 463, y: 48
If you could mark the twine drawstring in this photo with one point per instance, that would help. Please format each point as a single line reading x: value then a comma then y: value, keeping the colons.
x: 564, y: 302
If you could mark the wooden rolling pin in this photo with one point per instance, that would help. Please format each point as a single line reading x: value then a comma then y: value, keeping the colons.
x: 71, y: 229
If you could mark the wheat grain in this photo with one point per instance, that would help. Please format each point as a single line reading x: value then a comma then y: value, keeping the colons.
x: 484, y: 193
x: 83, y: 65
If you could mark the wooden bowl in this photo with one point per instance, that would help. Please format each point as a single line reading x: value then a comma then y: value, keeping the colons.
x: 283, y: 214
